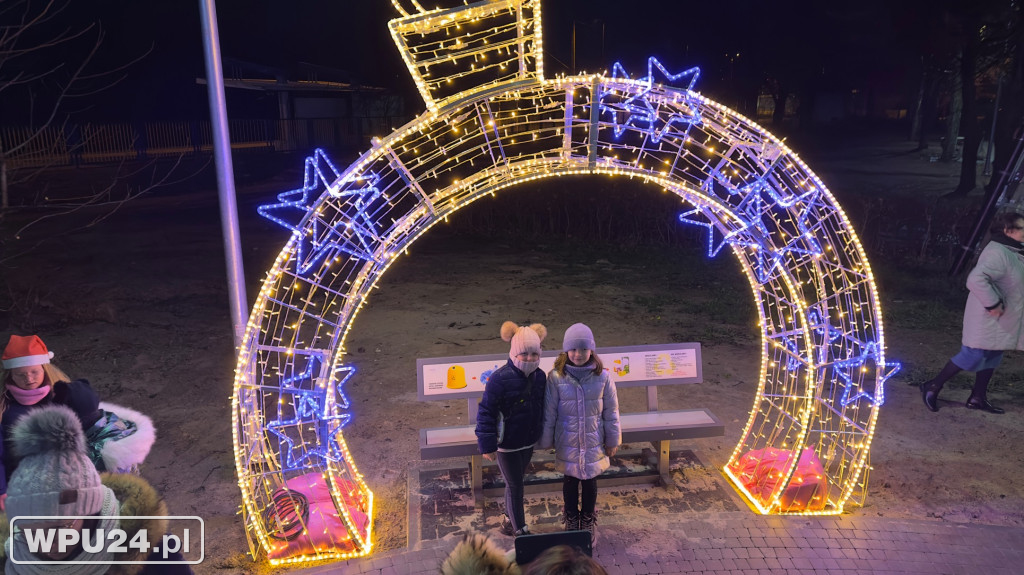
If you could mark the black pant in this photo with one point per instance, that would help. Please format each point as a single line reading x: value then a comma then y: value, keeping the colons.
x: 513, y: 468
x: 571, y: 493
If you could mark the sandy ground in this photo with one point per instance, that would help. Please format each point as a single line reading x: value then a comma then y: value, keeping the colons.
x: 138, y: 305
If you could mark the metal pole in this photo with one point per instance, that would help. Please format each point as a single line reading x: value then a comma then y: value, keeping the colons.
x: 225, y: 170
x: 990, y: 152
x: 572, y: 60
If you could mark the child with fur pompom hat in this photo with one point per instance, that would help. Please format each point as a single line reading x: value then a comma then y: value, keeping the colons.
x: 510, y: 416
x: 56, y: 480
x: 117, y: 438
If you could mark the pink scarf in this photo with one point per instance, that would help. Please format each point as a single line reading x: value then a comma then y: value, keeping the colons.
x: 29, y: 396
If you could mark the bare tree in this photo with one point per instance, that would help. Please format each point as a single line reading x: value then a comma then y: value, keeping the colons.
x: 45, y: 65
x: 990, y: 37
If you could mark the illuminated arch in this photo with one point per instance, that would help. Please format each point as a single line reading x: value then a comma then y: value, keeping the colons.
x: 493, y: 121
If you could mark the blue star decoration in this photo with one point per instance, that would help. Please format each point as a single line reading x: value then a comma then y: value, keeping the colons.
x: 758, y: 200
x: 793, y: 358
x: 312, y: 409
x: 352, y: 230
x: 643, y: 113
x: 847, y: 371
x: 822, y: 330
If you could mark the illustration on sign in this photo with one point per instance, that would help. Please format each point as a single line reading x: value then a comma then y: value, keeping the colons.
x: 655, y: 364
x: 456, y: 377
x: 622, y: 366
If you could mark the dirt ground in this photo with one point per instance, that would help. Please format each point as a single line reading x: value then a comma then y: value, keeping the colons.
x: 138, y: 305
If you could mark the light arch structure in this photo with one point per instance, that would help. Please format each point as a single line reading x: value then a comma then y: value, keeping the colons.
x: 494, y: 121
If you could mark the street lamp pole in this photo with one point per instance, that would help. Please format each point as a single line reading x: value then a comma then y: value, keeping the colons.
x: 225, y: 170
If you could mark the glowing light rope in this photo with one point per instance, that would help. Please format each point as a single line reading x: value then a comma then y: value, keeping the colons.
x: 493, y: 121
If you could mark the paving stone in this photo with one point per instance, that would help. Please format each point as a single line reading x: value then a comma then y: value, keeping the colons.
x: 678, y: 538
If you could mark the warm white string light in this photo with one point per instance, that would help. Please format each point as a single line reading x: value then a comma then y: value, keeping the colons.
x: 494, y: 121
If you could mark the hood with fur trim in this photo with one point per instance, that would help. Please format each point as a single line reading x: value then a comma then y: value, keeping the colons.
x: 136, y: 497
x: 478, y: 555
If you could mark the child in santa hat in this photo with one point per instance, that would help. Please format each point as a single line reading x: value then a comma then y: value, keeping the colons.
x: 118, y: 438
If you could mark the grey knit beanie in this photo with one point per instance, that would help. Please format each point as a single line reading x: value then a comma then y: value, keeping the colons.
x: 55, y: 476
x: 578, y: 336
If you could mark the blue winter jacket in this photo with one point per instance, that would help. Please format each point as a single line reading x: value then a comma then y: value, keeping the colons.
x: 77, y: 394
x: 511, y: 412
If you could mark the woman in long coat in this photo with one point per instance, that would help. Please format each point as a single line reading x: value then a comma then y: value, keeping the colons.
x: 993, y: 316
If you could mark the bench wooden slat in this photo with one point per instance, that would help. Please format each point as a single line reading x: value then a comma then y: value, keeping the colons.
x: 460, y: 441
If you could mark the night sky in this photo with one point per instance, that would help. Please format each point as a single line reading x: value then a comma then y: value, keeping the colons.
x: 839, y: 47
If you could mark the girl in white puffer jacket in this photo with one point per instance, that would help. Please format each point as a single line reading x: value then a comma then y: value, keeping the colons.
x: 581, y: 421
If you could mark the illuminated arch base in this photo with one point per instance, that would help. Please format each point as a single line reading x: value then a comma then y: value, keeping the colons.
x: 494, y: 121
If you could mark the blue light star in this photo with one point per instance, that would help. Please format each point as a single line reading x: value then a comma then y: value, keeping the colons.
x: 640, y: 111
x: 352, y: 230
x: 844, y: 370
x: 688, y: 218
x: 319, y: 172
x: 312, y: 408
x: 754, y: 234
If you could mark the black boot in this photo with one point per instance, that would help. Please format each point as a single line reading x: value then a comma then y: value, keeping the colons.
x: 570, y: 519
x: 506, y: 525
x: 979, y: 394
x: 930, y: 389
x: 588, y: 522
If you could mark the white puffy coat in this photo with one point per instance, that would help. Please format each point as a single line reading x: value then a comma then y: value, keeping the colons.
x: 580, y: 419
x: 999, y: 275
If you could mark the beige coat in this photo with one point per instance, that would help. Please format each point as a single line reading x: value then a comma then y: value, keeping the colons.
x: 999, y: 275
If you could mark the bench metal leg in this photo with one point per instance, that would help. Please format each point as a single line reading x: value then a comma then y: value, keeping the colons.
x: 476, y: 477
x: 663, y: 453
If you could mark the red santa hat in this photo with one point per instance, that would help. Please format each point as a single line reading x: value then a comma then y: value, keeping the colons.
x: 25, y: 350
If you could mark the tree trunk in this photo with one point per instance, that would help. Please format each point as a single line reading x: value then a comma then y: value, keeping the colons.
x: 927, y: 112
x: 955, y: 112
x: 807, y: 101
x: 969, y: 119
x: 4, y: 201
x: 780, y: 107
x: 1011, y: 113
x: 915, y: 124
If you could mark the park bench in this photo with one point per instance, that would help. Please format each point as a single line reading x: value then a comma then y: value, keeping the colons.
x: 447, y: 378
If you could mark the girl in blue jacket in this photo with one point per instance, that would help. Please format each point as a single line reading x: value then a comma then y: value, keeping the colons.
x: 28, y: 381
x: 510, y: 416
x: 581, y: 421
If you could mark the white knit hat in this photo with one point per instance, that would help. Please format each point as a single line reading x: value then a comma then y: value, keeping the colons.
x: 524, y: 339
x: 578, y: 336
x: 55, y: 476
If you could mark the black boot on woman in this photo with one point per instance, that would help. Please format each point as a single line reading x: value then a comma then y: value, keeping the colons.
x: 979, y: 394
x: 930, y: 389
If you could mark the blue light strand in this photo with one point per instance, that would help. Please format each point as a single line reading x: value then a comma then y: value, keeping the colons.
x: 753, y: 233
x: 850, y: 366
x: 312, y: 408
x: 352, y: 232
x: 641, y: 112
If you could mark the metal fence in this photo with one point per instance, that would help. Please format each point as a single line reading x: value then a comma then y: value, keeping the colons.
x: 77, y: 144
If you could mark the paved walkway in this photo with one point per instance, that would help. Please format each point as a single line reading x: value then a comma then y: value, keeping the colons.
x: 740, y: 542
x: 699, y: 525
